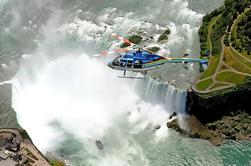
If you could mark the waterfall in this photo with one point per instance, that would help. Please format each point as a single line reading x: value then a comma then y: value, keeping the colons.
x: 155, y: 92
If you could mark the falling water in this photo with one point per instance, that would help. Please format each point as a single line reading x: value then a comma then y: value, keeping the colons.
x: 171, y: 98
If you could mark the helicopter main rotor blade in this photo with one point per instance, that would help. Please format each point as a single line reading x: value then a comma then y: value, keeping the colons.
x: 132, y: 44
x: 105, y: 53
x: 174, y: 60
x: 122, y: 39
x: 155, y: 53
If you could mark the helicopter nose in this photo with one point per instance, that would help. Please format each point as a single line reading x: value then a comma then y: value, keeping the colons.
x: 110, y: 65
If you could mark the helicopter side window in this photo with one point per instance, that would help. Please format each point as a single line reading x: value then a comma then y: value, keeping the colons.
x: 129, y: 63
x: 122, y: 63
x: 115, y: 62
x: 138, y: 64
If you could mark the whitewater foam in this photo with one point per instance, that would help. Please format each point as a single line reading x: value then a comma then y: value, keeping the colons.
x: 80, y: 94
x: 65, y: 95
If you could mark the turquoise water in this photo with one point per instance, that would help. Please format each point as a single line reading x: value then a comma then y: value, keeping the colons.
x: 236, y: 153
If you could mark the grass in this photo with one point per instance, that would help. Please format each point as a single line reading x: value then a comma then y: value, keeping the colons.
x: 217, y: 85
x: 237, y: 55
x: 203, y: 85
x: 231, y: 61
x: 210, y: 28
x: 213, y: 63
x: 24, y: 134
x: 230, y: 77
x: 57, y: 163
x: 245, y: 53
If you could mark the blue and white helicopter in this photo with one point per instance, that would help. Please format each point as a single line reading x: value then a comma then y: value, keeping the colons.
x: 142, y: 60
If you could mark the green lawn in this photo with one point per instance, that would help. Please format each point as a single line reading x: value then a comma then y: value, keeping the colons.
x: 214, y: 60
x: 213, y: 63
x: 243, y: 60
x: 245, y: 53
x: 203, y: 85
x: 217, y: 85
x: 231, y: 77
x: 237, y: 65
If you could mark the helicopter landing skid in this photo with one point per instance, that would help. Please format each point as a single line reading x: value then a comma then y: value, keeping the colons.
x: 131, y: 77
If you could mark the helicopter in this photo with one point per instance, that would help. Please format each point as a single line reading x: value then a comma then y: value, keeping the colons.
x: 142, y: 60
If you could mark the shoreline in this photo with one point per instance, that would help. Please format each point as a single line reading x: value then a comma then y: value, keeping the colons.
x: 220, y: 105
x: 17, y: 148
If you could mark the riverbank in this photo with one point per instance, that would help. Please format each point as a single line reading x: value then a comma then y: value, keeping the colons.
x: 219, y: 99
x: 234, y: 126
x: 227, y: 114
x: 229, y: 63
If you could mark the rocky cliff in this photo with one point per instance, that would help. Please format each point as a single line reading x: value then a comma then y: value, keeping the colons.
x: 224, y: 116
x: 210, y: 109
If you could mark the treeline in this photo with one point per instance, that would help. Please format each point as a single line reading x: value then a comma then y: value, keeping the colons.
x: 203, y: 31
x: 243, y: 34
x: 229, y: 13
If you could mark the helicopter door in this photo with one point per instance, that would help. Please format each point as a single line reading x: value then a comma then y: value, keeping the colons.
x: 138, y: 64
x: 122, y: 63
x: 129, y: 64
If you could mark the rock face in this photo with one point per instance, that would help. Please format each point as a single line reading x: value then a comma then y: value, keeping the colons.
x: 136, y: 39
x: 154, y: 49
x: 99, y: 144
x: 7, y: 114
x: 214, y: 108
x: 225, y: 115
x: 236, y: 126
x: 164, y: 35
x: 8, y: 68
x: 195, y: 130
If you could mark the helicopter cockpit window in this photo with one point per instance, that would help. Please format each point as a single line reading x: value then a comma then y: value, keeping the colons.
x: 115, y: 62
